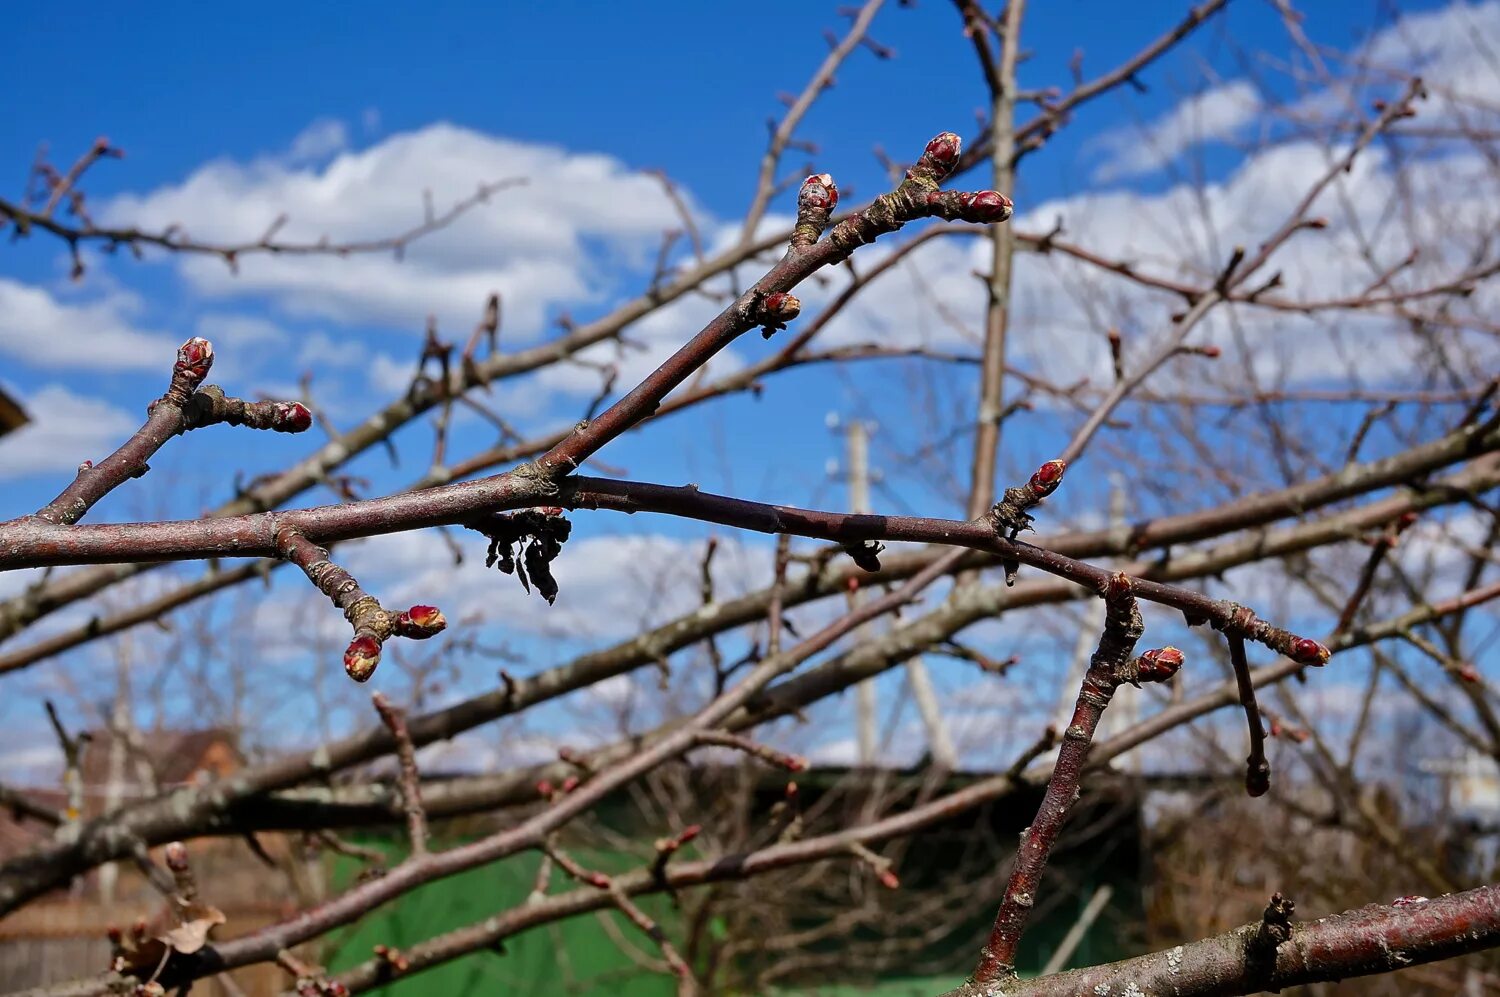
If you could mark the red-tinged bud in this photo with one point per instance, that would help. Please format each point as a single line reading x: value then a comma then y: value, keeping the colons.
x: 791, y: 790
x: 361, y: 657
x: 689, y: 833
x: 426, y: 616
x: 1318, y: 223
x: 101, y: 144
x: 1047, y: 477
x: 1212, y: 352
x: 989, y: 206
x: 1406, y: 522
x: 115, y: 935
x: 86, y: 465
x: 1160, y: 664
x: 852, y: 584
x: 944, y: 150
x: 796, y: 763
x: 1468, y: 673
x: 297, y: 418
x: 1118, y: 586
x: 544, y: 787
x: 176, y: 856
x: 195, y: 357
x: 599, y: 880
x: 569, y: 784
x: 818, y: 192
x: 550, y: 510
x: 781, y: 308
x: 1307, y: 651
x: 421, y: 622
x: 336, y: 989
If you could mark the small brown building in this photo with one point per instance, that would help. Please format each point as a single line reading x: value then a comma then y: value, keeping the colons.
x: 63, y: 936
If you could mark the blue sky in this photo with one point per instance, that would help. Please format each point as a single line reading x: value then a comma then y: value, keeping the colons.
x: 230, y: 114
x: 676, y: 85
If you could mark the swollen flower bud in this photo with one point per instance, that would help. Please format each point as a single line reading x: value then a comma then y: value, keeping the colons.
x: 989, y: 206
x: 426, y: 616
x: 361, y: 657
x: 1159, y: 664
x: 297, y: 419
x: 194, y: 358
x: 944, y: 149
x: 1013, y: 511
x: 774, y: 311
x: 819, y: 193
x: 783, y: 307
x: 420, y: 622
x: 1307, y: 651
x: 1047, y: 477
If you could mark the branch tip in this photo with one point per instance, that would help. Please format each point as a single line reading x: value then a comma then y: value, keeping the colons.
x: 944, y: 150
x: 420, y: 622
x: 1307, y: 651
x: 818, y: 193
x: 194, y: 358
x: 1156, y: 665
x: 1013, y: 511
x: 361, y: 657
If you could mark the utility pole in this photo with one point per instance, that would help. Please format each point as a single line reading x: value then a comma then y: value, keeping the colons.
x: 940, y: 744
x: 858, y: 437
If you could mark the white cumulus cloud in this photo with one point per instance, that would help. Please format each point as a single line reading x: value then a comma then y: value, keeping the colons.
x: 42, y: 331
x: 1211, y: 116
x: 560, y: 240
x: 65, y: 429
